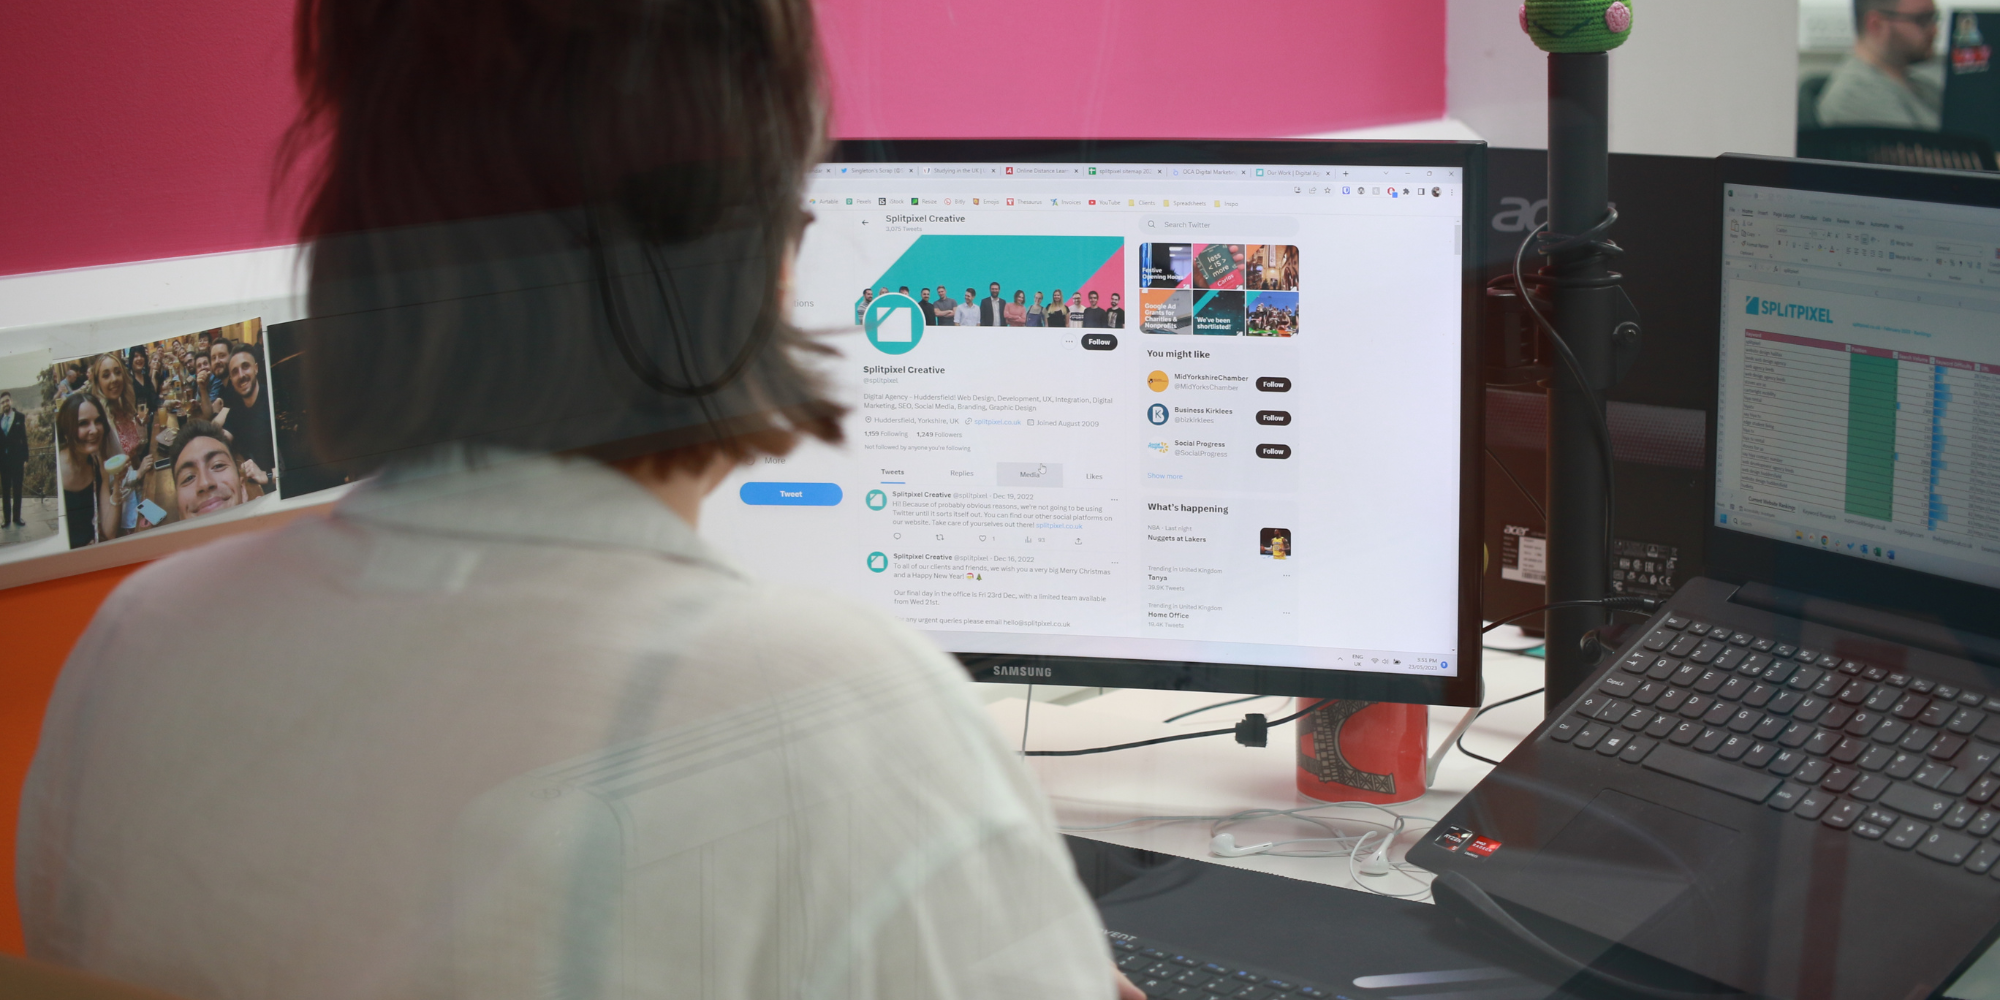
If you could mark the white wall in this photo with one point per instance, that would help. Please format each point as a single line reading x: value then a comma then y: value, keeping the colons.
x: 1697, y: 78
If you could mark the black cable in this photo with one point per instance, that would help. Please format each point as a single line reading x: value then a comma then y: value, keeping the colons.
x: 1204, y: 708
x: 1622, y: 603
x: 1602, y: 424
x: 1509, y: 473
x: 1170, y: 739
x: 1509, y: 701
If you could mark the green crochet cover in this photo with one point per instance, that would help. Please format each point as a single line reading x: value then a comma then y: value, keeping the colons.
x: 1577, y: 25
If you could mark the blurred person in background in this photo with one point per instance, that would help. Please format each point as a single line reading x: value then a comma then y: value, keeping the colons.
x: 1874, y: 85
x: 501, y: 725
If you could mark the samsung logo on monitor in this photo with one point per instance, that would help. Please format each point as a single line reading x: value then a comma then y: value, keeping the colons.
x: 1012, y: 671
x: 1785, y: 310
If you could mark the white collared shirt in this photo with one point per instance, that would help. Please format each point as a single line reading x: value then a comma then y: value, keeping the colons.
x: 515, y: 732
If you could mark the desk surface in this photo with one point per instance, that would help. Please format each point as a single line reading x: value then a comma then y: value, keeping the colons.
x: 1216, y: 776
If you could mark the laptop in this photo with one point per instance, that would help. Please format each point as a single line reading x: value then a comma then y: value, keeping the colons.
x: 1784, y: 782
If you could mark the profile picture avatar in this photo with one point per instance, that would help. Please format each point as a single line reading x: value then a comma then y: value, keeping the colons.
x: 893, y: 323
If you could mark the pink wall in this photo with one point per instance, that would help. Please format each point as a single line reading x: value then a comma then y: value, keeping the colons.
x: 135, y: 129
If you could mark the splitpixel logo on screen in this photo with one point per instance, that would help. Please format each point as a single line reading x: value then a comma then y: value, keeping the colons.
x: 1755, y: 306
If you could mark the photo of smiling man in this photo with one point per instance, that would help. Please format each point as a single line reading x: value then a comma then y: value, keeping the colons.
x: 208, y: 473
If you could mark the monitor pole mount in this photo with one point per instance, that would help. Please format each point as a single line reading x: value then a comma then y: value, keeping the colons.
x: 1576, y: 277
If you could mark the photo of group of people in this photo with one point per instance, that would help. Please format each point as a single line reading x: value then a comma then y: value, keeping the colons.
x: 1219, y: 289
x: 158, y: 433
x: 1089, y: 310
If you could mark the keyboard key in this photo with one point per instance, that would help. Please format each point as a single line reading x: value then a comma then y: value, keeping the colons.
x: 1933, y: 774
x: 1711, y: 773
x: 1984, y: 823
x: 1984, y: 788
x: 1806, y: 655
x: 1909, y: 706
x: 1682, y: 645
x: 1904, y: 765
x: 1760, y: 754
x: 1770, y: 726
x: 1588, y: 705
x: 1741, y: 639
x: 1839, y: 778
x: 1947, y: 692
x: 1855, y: 692
x: 1636, y: 661
x: 1947, y: 747
x: 1823, y: 741
x: 1686, y: 675
x: 1868, y: 786
x: 1880, y: 816
x: 1813, y: 803
x: 1193, y: 977
x: 1706, y: 652
x: 1785, y: 702
x: 1182, y: 960
x: 1883, y: 698
x: 1977, y: 758
x: 1672, y: 698
x: 1613, y: 710
x: 1937, y: 713
x: 1890, y: 731
x: 1900, y: 680
x: 1771, y: 671
x: 1830, y: 661
x: 1810, y: 708
x: 1763, y: 645
x: 1661, y: 725
x: 1563, y: 729
x: 1248, y: 977
x: 1869, y: 830
x: 1637, y: 718
x: 1795, y: 734
x: 1587, y: 737
x: 1662, y: 669
x: 1684, y: 733
x: 1732, y: 748
x: 1696, y: 706
x: 1648, y: 692
x: 1863, y: 723
x: 1909, y: 833
x: 1784, y: 762
x: 1843, y: 814
x: 1719, y: 713
x: 1921, y: 686
x: 1637, y: 750
x: 1917, y: 739
x: 1216, y: 970
x: 1710, y: 739
x: 1872, y: 673
x: 1876, y: 758
x: 1785, y: 649
x: 1787, y: 796
x: 1960, y: 815
x: 1756, y: 694
x: 1982, y: 859
x: 1907, y: 798
x: 1812, y: 771
x: 1849, y: 750
x: 1618, y: 685
x: 1735, y: 688
x: 1836, y: 715
x: 1744, y: 719
x: 1830, y: 685
x: 1613, y: 742
x: 1803, y: 678
x: 1732, y: 658
x: 1965, y: 720
x: 1675, y: 622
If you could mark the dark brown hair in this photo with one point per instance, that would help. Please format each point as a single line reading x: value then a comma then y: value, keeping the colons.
x: 555, y: 225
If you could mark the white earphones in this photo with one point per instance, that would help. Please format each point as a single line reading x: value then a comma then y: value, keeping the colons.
x: 1224, y: 846
x: 1375, y: 862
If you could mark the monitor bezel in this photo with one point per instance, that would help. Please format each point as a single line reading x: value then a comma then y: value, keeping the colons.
x: 1463, y: 689
x: 1740, y: 557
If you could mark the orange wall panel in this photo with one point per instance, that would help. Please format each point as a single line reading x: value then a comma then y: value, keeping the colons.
x: 40, y: 622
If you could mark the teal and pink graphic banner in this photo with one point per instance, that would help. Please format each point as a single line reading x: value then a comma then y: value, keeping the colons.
x: 1076, y: 265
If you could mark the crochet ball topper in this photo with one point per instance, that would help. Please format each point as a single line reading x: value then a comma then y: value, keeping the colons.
x: 1577, y: 25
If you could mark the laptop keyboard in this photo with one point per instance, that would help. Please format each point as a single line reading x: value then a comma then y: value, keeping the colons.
x: 1161, y: 971
x: 1855, y: 746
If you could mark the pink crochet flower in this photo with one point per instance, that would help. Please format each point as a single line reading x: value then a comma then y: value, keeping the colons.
x: 1524, y: 17
x: 1617, y: 18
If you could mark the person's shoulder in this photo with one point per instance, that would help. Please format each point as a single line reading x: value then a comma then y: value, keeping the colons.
x: 825, y: 632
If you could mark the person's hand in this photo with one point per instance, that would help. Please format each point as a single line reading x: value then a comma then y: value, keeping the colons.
x: 1126, y: 991
x: 255, y: 474
x: 221, y: 416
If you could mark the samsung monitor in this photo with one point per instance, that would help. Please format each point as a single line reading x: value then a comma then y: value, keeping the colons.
x: 1194, y: 415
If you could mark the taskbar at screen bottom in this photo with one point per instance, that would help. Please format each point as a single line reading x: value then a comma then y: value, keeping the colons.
x: 1225, y: 678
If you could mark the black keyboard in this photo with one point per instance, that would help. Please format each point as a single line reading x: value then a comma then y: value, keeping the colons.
x: 1161, y: 971
x: 1893, y: 757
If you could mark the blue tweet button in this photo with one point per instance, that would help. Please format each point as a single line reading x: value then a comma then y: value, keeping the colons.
x: 790, y: 494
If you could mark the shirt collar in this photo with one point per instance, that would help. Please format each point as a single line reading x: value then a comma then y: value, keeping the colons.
x: 519, y: 497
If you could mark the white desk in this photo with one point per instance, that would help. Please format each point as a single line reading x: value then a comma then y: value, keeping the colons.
x: 1216, y: 776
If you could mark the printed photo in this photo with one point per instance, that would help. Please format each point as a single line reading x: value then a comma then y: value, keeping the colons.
x: 29, y: 511
x: 1164, y: 310
x: 1271, y: 314
x: 1218, y: 314
x: 1218, y: 265
x: 1166, y: 265
x: 1017, y: 281
x: 162, y: 432
x: 1275, y: 543
x: 1271, y: 268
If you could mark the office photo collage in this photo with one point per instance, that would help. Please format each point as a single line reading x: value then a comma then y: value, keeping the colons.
x: 1219, y: 289
x: 997, y: 306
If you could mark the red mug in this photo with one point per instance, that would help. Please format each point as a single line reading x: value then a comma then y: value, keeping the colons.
x: 1363, y: 751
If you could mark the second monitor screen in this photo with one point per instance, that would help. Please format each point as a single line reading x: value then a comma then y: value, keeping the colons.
x: 1132, y: 411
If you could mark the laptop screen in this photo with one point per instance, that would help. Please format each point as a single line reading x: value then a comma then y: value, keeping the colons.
x: 1173, y: 413
x: 1858, y: 404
